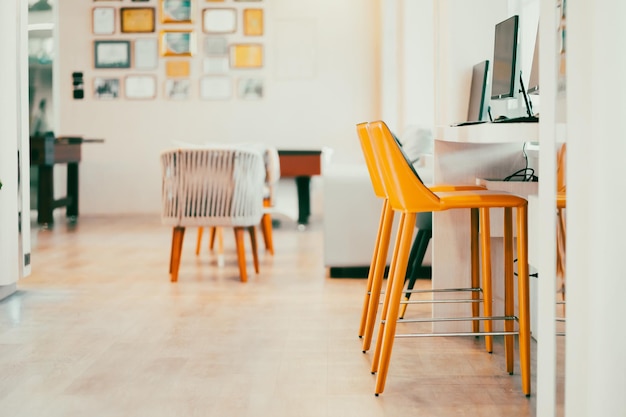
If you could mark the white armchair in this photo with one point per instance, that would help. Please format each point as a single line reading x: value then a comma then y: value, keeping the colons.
x: 214, y: 187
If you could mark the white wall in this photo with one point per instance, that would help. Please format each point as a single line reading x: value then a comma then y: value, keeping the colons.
x: 320, y: 108
x: 13, y: 137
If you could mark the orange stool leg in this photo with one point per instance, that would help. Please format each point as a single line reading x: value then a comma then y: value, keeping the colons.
x: 397, y: 285
x: 255, y: 249
x: 378, y: 275
x: 383, y: 314
x: 370, y: 274
x: 523, y: 296
x: 509, y: 292
x: 485, y: 235
x: 475, y: 262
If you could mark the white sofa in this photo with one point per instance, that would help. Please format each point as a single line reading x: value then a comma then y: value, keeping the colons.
x: 352, y: 213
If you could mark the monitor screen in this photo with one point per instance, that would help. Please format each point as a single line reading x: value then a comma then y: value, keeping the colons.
x: 504, y: 59
x: 478, y: 89
x: 533, y: 82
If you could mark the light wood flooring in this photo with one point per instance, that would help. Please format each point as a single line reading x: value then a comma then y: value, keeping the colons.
x: 99, y: 330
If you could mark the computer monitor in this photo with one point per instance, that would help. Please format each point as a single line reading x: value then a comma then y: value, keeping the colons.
x: 476, y: 109
x: 533, y: 82
x: 504, y: 74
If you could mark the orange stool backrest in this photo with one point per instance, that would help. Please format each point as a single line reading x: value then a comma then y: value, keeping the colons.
x: 370, y: 160
x: 405, y: 190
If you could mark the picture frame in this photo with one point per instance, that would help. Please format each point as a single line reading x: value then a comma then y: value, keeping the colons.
x: 103, y: 20
x: 112, y: 54
x: 177, y: 69
x: 140, y: 87
x: 146, y: 53
x: 177, y: 43
x: 216, y: 64
x: 216, y: 88
x: 176, y: 11
x: 215, y: 45
x: 137, y: 19
x: 253, y: 22
x: 246, y: 55
x: 106, y: 88
x: 219, y: 20
x: 177, y: 89
x: 250, y: 88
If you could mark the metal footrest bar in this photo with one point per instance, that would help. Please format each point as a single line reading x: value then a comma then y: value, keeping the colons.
x: 561, y: 319
x: 560, y: 302
x: 437, y: 319
x: 560, y: 333
x: 457, y: 334
x: 443, y: 290
x: 447, y: 300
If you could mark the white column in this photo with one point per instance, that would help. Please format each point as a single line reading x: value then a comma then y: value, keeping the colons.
x: 9, y: 246
x: 595, y: 346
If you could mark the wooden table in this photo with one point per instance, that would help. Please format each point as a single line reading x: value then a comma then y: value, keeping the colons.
x: 301, y: 165
x: 45, y: 152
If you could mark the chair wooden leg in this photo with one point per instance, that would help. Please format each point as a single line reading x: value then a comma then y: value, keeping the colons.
x: 178, y: 234
x: 255, y: 248
x: 378, y: 275
x: 523, y: 296
x: 384, y: 313
x: 394, y: 301
x: 475, y: 265
x: 509, y: 291
x: 266, y: 228
x: 199, y: 240
x: 213, y: 231
x: 219, y: 233
x: 241, y: 253
x: 370, y: 274
x: 485, y: 235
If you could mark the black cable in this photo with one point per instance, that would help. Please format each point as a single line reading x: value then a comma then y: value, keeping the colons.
x: 528, y: 173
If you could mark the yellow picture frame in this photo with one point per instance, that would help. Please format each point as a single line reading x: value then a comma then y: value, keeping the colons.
x: 253, y: 22
x: 137, y: 19
x: 246, y: 55
x: 177, y: 69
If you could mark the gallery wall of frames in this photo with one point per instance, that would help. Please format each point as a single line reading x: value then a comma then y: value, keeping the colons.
x: 177, y: 50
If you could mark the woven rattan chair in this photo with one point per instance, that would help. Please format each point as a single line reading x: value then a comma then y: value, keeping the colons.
x: 212, y: 187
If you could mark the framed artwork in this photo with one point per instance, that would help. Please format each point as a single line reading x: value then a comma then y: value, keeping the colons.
x: 177, y: 68
x: 246, y: 55
x: 216, y: 88
x: 177, y: 43
x: 137, y: 19
x: 253, y: 22
x: 222, y: 20
x: 103, y: 20
x: 215, y: 45
x: 177, y: 89
x: 140, y: 86
x: 250, y: 88
x: 176, y: 11
x: 112, y: 54
x: 106, y: 88
x: 216, y: 65
x: 146, y: 53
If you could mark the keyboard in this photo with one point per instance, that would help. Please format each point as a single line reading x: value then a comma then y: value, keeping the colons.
x: 523, y: 119
x: 476, y: 122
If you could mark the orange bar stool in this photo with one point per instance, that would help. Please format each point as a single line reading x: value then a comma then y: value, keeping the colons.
x: 381, y: 248
x: 408, y: 195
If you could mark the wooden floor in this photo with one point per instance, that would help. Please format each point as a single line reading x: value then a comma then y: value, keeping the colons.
x: 98, y: 330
